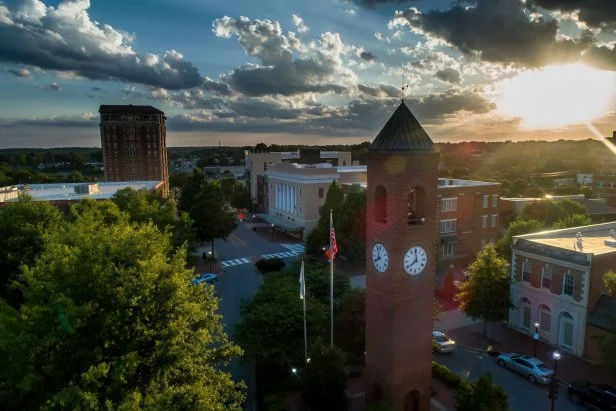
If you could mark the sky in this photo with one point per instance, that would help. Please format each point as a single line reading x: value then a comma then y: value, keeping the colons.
x: 313, y: 72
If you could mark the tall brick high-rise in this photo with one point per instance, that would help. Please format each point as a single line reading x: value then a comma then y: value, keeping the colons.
x: 401, y: 247
x: 134, y: 140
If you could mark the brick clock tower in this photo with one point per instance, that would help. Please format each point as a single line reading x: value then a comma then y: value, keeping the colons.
x: 401, y: 246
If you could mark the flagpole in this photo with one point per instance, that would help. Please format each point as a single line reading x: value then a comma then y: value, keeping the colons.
x: 304, y: 302
x: 331, y: 276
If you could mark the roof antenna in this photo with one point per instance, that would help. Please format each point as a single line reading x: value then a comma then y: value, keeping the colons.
x: 403, y: 86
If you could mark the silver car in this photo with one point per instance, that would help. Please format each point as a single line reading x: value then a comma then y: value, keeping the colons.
x: 443, y: 343
x: 531, y: 368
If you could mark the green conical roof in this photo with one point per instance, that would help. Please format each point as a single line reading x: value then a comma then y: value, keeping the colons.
x: 402, y: 133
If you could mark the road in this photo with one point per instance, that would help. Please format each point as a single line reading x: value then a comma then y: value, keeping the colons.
x: 241, y: 281
x: 523, y: 396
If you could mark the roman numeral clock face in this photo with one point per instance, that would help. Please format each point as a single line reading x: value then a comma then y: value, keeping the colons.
x: 415, y: 260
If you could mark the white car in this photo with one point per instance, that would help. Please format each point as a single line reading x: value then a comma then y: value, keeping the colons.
x: 444, y: 343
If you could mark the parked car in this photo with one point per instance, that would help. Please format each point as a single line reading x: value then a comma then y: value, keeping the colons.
x: 442, y: 343
x: 207, y: 278
x: 531, y: 368
x: 600, y: 397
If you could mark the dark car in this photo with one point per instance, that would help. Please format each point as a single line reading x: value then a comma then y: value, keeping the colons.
x: 601, y: 397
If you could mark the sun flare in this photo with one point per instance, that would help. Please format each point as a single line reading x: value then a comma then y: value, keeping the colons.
x: 558, y: 96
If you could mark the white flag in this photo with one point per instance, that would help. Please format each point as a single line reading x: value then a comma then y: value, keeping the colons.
x: 302, y: 283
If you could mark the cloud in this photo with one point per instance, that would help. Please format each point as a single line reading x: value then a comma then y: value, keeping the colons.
x: 98, y: 89
x: 371, y: 4
x: 52, y: 87
x: 496, y: 30
x: 449, y: 75
x: 602, y: 57
x: 595, y: 13
x: 320, y: 70
x: 383, y: 90
x: 65, y: 39
x: 367, y: 56
x: 299, y: 23
x: 22, y: 72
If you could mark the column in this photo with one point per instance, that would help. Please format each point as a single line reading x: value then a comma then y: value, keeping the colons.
x: 294, y: 203
x: 285, y: 200
x: 288, y: 198
x: 278, y: 197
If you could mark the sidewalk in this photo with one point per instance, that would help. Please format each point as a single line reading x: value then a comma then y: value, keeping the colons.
x: 503, y: 339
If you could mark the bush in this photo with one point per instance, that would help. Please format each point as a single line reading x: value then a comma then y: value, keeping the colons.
x: 272, y: 264
x: 445, y: 375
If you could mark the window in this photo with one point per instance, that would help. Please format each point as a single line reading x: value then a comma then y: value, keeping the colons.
x: 416, y: 206
x: 486, y: 199
x: 380, y: 204
x: 264, y: 166
x: 493, y: 221
x: 321, y: 192
x: 448, y: 250
x: 527, y: 269
x: 449, y: 204
x: 545, y: 318
x: 484, y: 221
x: 494, y: 200
x: 568, y: 282
x: 448, y: 226
x: 546, y: 278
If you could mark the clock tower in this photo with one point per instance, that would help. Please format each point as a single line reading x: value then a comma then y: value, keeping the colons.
x: 401, y: 246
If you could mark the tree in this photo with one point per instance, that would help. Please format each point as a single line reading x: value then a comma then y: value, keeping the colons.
x: 350, y: 325
x: 210, y: 215
x: 516, y: 227
x: 241, y: 197
x: 228, y: 185
x: 607, y: 342
x: 320, y: 235
x: 23, y: 225
x: 550, y: 211
x: 351, y: 225
x: 111, y: 321
x: 485, y: 294
x: 143, y: 206
x: 481, y: 395
x: 575, y: 220
x: 190, y: 189
x: 325, y: 379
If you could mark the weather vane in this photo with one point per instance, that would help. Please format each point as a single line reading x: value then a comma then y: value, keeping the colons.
x: 404, y: 86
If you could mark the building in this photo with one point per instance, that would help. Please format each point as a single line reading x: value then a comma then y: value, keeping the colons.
x: 295, y: 193
x: 598, y: 210
x: 401, y: 253
x: 604, y: 180
x: 134, y: 141
x: 557, y: 282
x: 63, y: 195
x: 257, y: 164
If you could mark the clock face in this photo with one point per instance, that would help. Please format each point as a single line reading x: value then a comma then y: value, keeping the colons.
x: 380, y: 257
x: 415, y: 260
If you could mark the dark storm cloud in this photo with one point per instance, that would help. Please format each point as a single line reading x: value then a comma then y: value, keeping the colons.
x: 368, y: 56
x: 449, y: 75
x: 601, y: 57
x: 497, y: 29
x: 383, y: 90
x: 65, y: 39
x: 22, y: 72
x: 595, y: 13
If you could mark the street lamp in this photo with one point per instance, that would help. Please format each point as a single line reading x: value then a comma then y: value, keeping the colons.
x: 553, y: 394
x: 536, y: 338
x: 294, y: 371
x: 254, y: 225
x: 209, y: 257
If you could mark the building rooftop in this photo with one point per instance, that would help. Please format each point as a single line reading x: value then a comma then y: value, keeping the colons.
x: 352, y: 169
x: 596, y: 239
x: 58, y: 192
x: 402, y: 133
x: 454, y: 182
x: 129, y: 108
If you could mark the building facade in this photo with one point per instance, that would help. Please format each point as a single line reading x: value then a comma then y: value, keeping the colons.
x: 557, y: 282
x: 604, y: 180
x: 134, y: 142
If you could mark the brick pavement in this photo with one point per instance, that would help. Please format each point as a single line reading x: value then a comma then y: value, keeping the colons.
x: 503, y: 339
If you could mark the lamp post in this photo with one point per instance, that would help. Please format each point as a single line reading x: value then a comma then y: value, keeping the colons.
x: 536, y: 338
x: 272, y: 227
x: 554, y: 382
x: 209, y: 257
x: 254, y: 225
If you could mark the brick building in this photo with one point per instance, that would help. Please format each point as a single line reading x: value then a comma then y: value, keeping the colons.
x: 134, y: 142
x: 604, y: 180
x: 557, y: 281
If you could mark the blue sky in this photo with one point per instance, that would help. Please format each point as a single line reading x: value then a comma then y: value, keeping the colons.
x: 318, y: 72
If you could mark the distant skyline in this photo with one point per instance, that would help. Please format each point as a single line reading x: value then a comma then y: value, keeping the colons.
x: 321, y: 72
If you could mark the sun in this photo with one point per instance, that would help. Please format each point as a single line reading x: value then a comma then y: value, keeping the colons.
x: 558, y: 96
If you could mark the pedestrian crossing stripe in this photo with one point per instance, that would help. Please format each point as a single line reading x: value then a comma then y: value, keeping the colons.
x: 298, y: 248
x: 236, y: 261
x: 285, y: 254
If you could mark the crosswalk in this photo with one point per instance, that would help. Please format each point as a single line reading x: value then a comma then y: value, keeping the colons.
x: 294, y: 251
x: 284, y: 254
x: 298, y: 248
x: 237, y: 261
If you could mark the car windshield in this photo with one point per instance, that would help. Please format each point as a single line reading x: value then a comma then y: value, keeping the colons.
x: 441, y: 338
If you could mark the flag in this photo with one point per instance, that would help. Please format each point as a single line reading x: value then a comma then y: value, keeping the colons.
x: 333, y: 245
x: 302, y: 283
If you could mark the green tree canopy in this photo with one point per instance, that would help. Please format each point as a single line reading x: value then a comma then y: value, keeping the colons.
x: 574, y: 220
x: 481, y: 395
x: 144, y: 206
x: 485, y: 294
x: 111, y: 321
x: 23, y: 225
x: 550, y: 211
x: 190, y: 189
x: 324, y: 379
x: 319, y: 236
x: 350, y: 325
x: 516, y: 227
x: 351, y: 225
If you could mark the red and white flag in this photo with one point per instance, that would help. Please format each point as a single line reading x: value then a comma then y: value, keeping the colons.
x: 332, y: 244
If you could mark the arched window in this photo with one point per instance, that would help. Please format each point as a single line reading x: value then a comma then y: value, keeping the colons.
x: 411, y: 401
x: 566, y: 330
x: 377, y: 392
x: 417, y: 206
x: 526, y: 311
x: 545, y: 318
x: 380, y: 204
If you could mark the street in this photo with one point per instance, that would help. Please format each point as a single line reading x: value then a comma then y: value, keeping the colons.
x: 523, y: 396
